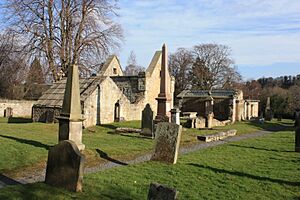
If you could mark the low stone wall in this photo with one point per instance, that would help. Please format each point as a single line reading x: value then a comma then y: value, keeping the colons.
x: 20, y: 108
x: 45, y: 114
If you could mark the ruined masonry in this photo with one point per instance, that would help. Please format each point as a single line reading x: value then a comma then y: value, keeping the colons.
x: 109, y: 96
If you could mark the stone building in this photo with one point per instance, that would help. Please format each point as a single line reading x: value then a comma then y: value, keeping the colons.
x: 109, y: 96
x: 224, y: 104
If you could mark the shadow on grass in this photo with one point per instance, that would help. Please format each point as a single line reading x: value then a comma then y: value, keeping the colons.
x: 8, y: 181
x: 271, y: 126
x: 30, y: 142
x: 19, y: 120
x: 242, y: 174
x: 257, y: 148
x: 109, y: 126
x: 104, y: 155
x: 43, y: 191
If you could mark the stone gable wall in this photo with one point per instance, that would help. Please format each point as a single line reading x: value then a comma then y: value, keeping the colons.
x: 21, y: 108
x: 91, y: 109
x: 153, y: 84
x: 109, y: 71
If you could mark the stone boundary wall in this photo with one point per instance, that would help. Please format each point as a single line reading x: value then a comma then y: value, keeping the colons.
x: 21, y: 108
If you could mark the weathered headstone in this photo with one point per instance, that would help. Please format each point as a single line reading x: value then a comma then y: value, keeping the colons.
x: 175, y: 116
x: 297, y: 136
x: 65, y: 166
x: 161, y: 192
x: 8, y: 112
x: 167, y: 140
x: 147, y: 121
x: 70, y: 119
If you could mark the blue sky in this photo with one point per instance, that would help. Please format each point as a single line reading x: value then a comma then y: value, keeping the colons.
x: 264, y: 35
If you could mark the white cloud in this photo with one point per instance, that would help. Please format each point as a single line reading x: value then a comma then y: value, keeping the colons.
x: 258, y: 31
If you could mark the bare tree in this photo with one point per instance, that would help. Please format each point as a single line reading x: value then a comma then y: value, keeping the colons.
x: 132, y: 67
x: 213, y: 67
x: 65, y: 32
x: 12, y: 67
x: 180, y: 63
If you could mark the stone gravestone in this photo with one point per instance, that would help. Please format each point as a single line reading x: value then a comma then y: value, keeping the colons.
x: 65, y: 166
x: 147, y: 121
x: 297, y: 135
x: 268, y: 110
x: 167, y: 140
x: 8, y: 112
x: 161, y: 192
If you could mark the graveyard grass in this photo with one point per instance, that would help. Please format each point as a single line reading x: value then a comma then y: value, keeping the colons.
x: 259, y: 168
x: 24, y: 145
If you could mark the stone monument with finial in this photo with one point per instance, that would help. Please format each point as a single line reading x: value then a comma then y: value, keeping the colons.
x: 70, y: 119
x: 268, y: 110
x: 163, y: 99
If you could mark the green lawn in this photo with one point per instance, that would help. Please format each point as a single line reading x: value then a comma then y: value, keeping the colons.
x: 260, y: 168
x: 24, y: 146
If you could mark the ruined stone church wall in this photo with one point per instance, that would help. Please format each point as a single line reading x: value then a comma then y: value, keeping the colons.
x: 110, y: 94
x: 251, y: 109
x: 90, y: 110
x: 20, y: 108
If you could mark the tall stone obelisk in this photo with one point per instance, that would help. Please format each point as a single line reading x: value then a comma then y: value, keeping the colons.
x: 163, y: 99
x: 70, y: 119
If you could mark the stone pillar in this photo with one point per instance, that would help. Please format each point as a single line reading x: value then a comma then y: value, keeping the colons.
x: 209, y: 112
x: 70, y: 119
x: 248, y: 111
x: 232, y: 110
x: 175, y: 116
x: 297, y: 135
x: 163, y: 99
x: 237, y: 110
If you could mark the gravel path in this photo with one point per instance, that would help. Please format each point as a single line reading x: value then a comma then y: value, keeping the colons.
x: 39, y: 175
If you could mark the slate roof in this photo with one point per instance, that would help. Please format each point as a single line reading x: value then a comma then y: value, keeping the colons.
x: 205, y: 93
x: 55, y: 94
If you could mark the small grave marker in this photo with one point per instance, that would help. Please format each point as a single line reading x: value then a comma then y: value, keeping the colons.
x: 147, y: 121
x: 65, y: 166
x: 161, y: 192
x: 167, y: 140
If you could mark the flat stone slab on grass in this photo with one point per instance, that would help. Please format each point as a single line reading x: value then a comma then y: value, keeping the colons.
x: 65, y: 166
x: 127, y: 130
x: 161, y: 192
x: 216, y: 136
x: 167, y: 139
